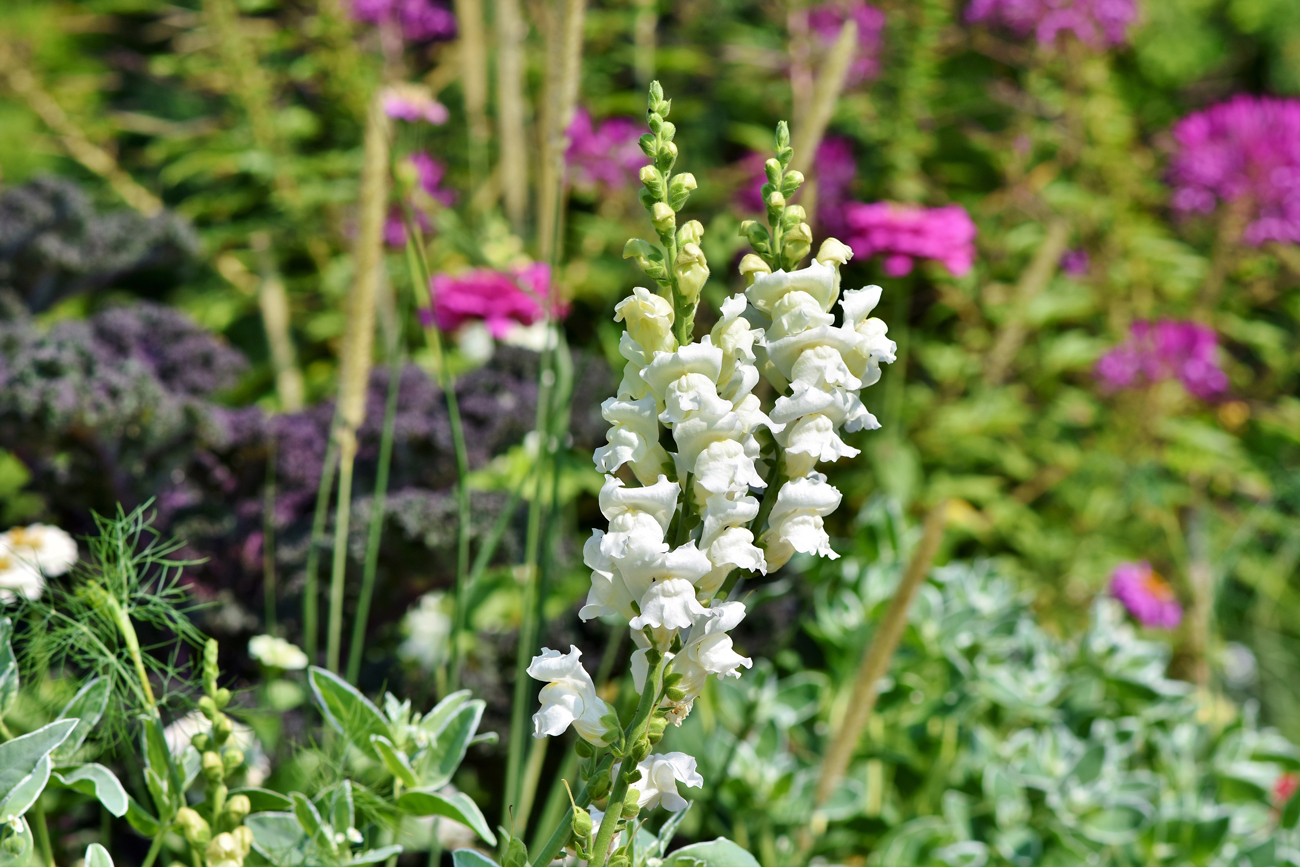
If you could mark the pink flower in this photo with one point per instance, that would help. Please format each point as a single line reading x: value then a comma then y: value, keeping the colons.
x: 605, y: 156
x: 1146, y: 595
x: 903, y: 233
x: 429, y: 173
x: 418, y: 20
x: 1096, y: 23
x: 1166, y: 350
x: 1246, y: 148
x: 826, y: 22
x: 414, y: 107
x: 1075, y: 262
x: 498, y: 299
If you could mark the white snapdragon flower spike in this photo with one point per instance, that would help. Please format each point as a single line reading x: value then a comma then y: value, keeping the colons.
x: 275, y: 652
x: 569, y: 698
x: 660, y: 774
x: 29, y: 555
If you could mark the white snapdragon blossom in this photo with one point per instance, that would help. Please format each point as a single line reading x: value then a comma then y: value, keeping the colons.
x: 569, y: 698
x: 660, y: 774
x: 28, y: 555
x: 706, y: 649
x: 274, y: 652
x: 796, y: 520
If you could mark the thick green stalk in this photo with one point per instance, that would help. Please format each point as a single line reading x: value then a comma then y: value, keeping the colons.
x: 377, y: 516
x: 311, y: 590
x: 342, y: 514
x: 42, y: 833
x: 561, y: 834
x: 632, y: 735
x: 123, y: 623
x: 154, y: 848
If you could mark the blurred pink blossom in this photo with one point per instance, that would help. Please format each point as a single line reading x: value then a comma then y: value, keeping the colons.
x: 1096, y: 23
x: 429, y: 173
x: 826, y: 21
x: 500, y: 300
x: 1146, y: 595
x: 904, y: 233
x: 1075, y: 262
x: 1247, y: 148
x: 1167, y: 349
x: 415, y: 107
x: 835, y: 170
x: 418, y: 20
x: 605, y: 156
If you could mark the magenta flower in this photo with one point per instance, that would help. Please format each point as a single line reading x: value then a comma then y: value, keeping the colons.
x: 1146, y: 595
x: 904, y: 233
x: 1169, y: 349
x: 500, y: 300
x: 1075, y: 262
x: 414, y: 107
x: 429, y: 173
x: 1247, y: 148
x: 606, y: 156
x: 835, y: 168
x: 1096, y: 23
x: 418, y: 20
x: 826, y: 22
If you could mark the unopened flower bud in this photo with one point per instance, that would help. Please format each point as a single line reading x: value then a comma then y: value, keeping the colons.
x: 630, y: 806
x: 690, y: 233
x: 200, y: 741
x: 792, y: 180
x: 238, y: 807
x: 772, y: 168
x: 582, y: 824
x: 583, y: 749
x: 193, y: 826
x: 231, y: 759
x: 752, y: 267
x: 675, y: 693
x: 516, y: 854
x: 692, y: 271
x: 223, y: 728
x: 223, y: 698
x: 213, y: 768
x: 794, y: 214
x: 775, y: 201
x: 208, y: 707
x: 663, y: 217
x: 833, y: 251
x: 225, y: 850
x: 655, y: 731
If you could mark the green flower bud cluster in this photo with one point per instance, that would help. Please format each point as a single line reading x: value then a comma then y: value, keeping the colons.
x: 219, y: 838
x: 789, y: 239
x: 678, y: 267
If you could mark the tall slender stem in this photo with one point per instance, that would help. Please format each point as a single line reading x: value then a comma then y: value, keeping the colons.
x: 154, y: 848
x: 42, y: 833
x: 342, y: 516
x: 268, y: 536
x: 511, y: 31
x: 311, y: 589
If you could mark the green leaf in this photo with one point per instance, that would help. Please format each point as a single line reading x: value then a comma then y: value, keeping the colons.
x: 347, y: 710
x: 394, y: 760
x: 471, y: 858
x: 141, y: 819
x: 719, y: 853
x: 160, y: 773
x: 373, y: 856
x: 20, y: 798
x: 279, y: 838
x: 100, y: 783
x: 341, y: 810
x: 97, y: 856
x: 19, y: 757
x: 436, y: 719
x: 9, y: 682
x: 1116, y: 825
x: 439, y: 762
x: 87, y: 707
x: 310, y: 819
x: 264, y: 800
x: 460, y: 807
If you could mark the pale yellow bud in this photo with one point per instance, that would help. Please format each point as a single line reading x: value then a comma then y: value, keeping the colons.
x: 776, y: 201
x: 752, y: 267
x: 833, y: 251
x: 663, y: 217
x: 692, y: 271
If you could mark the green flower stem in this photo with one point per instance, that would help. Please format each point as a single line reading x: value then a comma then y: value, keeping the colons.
x: 42, y: 833
x: 154, y: 848
x: 5, y: 734
x: 560, y: 835
x: 770, y: 492
x: 122, y: 621
x: 268, y: 537
x: 377, y: 514
x: 311, y: 591
x: 342, y: 516
x: 419, y: 268
x: 635, y: 731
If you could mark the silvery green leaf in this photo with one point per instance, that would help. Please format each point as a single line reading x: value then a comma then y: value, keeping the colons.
x: 438, y: 763
x: 394, y: 760
x: 141, y: 819
x: 87, y: 707
x: 20, y: 840
x: 718, y: 853
x: 967, y: 853
x: 312, y: 823
x: 459, y: 807
x: 341, y: 810
x: 97, y: 856
x: 349, y: 712
x: 20, y: 798
x: 9, y: 681
x: 98, y: 782
x: 279, y: 838
x: 20, y: 757
x: 373, y: 856
x: 1117, y: 824
x: 471, y: 858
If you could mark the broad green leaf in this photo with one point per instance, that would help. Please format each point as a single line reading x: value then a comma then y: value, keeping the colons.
x: 97, y: 856
x: 141, y: 819
x: 460, y: 807
x: 20, y: 756
x: 346, y: 709
x: 373, y: 856
x: 264, y: 800
x: 436, y: 719
x: 341, y: 810
x: 1116, y: 825
x: 719, y: 853
x: 20, y: 798
x: 394, y: 760
x: 279, y: 838
x: 98, y: 782
x: 471, y: 858
x: 9, y: 682
x: 87, y: 707
x: 439, y: 762
x: 310, y: 820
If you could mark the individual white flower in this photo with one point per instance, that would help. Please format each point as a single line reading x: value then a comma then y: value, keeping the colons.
x: 819, y: 280
x: 633, y: 439
x: 427, y: 627
x: 670, y: 603
x: 649, y: 319
x: 875, y: 346
x: 569, y: 698
x: 275, y: 652
x: 796, y: 520
x: 707, y: 650
x: 660, y: 774
x: 28, y: 555
x: 538, y: 337
x: 733, y: 548
x: 658, y: 500
x: 734, y: 335
x: 811, y: 439
x: 724, y: 467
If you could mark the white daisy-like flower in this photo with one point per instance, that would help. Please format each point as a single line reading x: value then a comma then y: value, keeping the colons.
x: 29, y: 555
x: 274, y: 652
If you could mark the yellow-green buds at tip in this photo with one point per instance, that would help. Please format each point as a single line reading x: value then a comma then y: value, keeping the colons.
x: 834, y: 252
x: 775, y: 201
x: 193, y: 826
x: 692, y: 271
x: 231, y: 759
x: 752, y: 267
x: 213, y: 767
x: 663, y: 217
x: 631, y: 805
x: 238, y: 807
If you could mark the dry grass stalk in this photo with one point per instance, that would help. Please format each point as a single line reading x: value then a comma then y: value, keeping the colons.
x: 474, y: 81
x: 1033, y: 281
x: 511, y: 31
x: 875, y: 663
x: 643, y: 41
x: 564, y: 62
x: 825, y: 94
x: 274, y: 304
x: 24, y: 83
